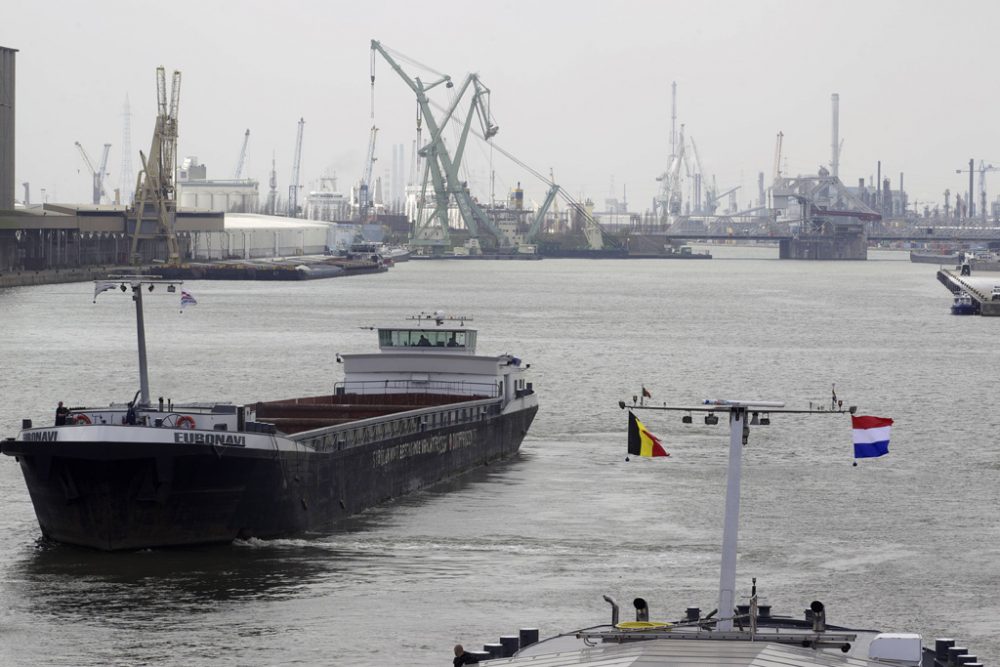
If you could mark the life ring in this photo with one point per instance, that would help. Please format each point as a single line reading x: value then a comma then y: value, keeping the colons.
x: 185, y: 421
x: 81, y: 418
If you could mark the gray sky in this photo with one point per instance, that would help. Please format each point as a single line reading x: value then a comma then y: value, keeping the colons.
x: 580, y: 87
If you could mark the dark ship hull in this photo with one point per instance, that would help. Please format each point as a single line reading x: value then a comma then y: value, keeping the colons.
x: 133, y: 495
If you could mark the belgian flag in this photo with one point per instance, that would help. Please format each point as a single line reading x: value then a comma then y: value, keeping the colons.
x: 640, y: 441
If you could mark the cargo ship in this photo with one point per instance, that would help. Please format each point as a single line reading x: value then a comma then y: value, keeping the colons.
x: 136, y: 475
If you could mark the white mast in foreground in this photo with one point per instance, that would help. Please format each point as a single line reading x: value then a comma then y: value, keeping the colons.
x: 739, y: 431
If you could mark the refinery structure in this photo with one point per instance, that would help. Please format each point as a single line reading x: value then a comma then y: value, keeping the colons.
x: 178, y: 209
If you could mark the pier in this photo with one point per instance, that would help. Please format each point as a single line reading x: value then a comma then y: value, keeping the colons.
x: 978, y: 288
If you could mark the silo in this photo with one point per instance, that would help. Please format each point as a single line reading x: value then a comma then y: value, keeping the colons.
x: 7, y: 128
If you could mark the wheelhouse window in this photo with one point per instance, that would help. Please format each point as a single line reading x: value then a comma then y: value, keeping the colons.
x: 425, y: 338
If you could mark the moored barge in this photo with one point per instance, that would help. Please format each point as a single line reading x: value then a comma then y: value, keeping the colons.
x: 135, y: 475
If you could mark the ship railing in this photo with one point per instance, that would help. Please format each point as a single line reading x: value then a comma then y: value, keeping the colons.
x: 425, y: 387
x: 400, y: 425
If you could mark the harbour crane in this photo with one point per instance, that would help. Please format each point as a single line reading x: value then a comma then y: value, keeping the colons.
x: 365, y: 189
x: 153, y: 214
x: 669, y: 199
x: 293, y: 187
x: 441, y: 167
x: 238, y: 172
x: 97, y: 173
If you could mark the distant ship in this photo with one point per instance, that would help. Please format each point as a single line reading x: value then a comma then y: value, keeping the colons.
x: 952, y: 259
x: 136, y: 475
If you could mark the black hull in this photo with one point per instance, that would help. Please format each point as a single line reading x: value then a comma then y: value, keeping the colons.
x: 115, y: 496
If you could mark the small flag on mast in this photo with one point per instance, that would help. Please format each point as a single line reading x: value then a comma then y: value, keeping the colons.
x: 645, y: 392
x: 187, y: 299
x: 102, y: 286
x: 640, y: 441
x: 871, y: 436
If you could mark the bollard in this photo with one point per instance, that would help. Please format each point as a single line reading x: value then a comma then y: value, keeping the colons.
x: 954, y: 652
x: 511, y: 644
x: 941, y: 647
x: 479, y: 655
x: 764, y: 611
x: 494, y: 650
x: 692, y: 614
x: 528, y: 636
x: 967, y: 659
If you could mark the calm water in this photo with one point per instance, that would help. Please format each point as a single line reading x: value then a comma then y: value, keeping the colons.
x: 905, y: 543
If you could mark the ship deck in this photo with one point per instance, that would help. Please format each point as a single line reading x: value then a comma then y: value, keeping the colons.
x: 305, y: 414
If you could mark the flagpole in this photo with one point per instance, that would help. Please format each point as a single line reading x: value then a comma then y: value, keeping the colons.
x: 731, y: 528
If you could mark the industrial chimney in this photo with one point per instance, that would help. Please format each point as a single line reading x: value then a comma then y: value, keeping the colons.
x: 6, y: 128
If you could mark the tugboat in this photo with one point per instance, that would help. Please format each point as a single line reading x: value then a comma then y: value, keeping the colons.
x: 141, y: 474
x: 741, y: 635
x: 964, y: 304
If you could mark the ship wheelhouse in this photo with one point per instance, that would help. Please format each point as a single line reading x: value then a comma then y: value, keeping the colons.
x: 459, y: 340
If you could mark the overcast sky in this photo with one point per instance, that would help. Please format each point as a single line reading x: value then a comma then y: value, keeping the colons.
x: 580, y: 87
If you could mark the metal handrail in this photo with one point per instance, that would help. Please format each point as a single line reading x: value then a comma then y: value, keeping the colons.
x: 382, y: 387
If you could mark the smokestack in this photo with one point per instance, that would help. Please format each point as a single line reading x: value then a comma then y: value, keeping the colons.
x: 972, y: 200
x: 878, y: 185
x: 835, y: 162
x: 7, y: 128
x: 902, y: 195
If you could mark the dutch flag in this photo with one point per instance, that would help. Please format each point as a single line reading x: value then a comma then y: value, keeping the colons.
x: 871, y: 436
x: 187, y: 299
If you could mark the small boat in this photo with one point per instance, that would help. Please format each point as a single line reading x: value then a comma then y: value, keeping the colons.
x: 378, y: 251
x: 740, y: 634
x: 141, y: 474
x: 964, y: 304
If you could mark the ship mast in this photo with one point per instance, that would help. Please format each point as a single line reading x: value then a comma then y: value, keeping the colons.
x: 137, y: 283
x: 739, y: 432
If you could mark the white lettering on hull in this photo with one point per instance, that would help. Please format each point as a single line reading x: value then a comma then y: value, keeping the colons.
x: 211, y: 439
x: 42, y: 436
x: 437, y: 444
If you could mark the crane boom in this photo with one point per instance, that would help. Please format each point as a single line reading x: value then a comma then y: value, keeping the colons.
x: 536, y: 224
x: 777, y: 156
x: 96, y: 173
x: 238, y: 172
x: 365, y: 188
x: 293, y: 188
